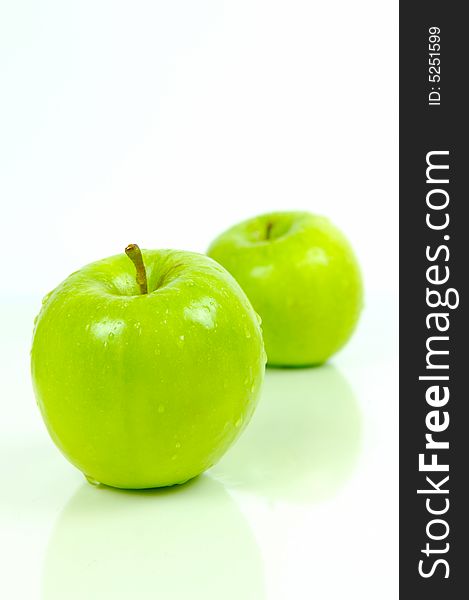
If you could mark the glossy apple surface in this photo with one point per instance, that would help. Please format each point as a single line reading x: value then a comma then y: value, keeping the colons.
x: 147, y: 390
x: 303, y: 279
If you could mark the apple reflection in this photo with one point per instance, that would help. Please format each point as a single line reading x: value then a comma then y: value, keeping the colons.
x: 303, y: 440
x: 176, y: 543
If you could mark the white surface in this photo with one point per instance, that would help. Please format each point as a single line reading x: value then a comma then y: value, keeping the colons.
x: 163, y: 123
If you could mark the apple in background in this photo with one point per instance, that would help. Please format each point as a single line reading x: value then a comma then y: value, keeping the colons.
x: 146, y: 381
x: 302, y: 277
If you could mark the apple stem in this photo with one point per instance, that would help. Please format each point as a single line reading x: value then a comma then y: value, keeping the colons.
x: 268, y: 230
x: 135, y: 255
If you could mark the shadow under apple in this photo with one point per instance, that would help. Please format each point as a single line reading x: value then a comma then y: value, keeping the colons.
x: 175, y: 543
x: 303, y: 440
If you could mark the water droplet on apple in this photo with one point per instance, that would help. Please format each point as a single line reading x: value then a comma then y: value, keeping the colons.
x: 46, y: 297
x: 248, y: 334
x: 92, y: 481
x: 173, y: 457
x: 178, y: 444
x: 111, y: 335
x: 182, y: 338
x: 238, y: 423
x: 259, y: 320
x: 161, y: 408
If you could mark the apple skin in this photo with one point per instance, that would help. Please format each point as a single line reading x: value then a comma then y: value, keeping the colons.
x: 147, y: 390
x: 302, y: 277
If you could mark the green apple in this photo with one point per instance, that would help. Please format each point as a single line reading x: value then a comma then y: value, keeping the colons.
x: 302, y: 277
x: 145, y: 382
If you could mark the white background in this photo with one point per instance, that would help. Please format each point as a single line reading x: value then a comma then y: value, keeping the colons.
x: 163, y: 123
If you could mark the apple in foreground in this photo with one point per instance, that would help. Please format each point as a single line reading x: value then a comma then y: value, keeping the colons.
x: 302, y: 277
x: 145, y: 381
